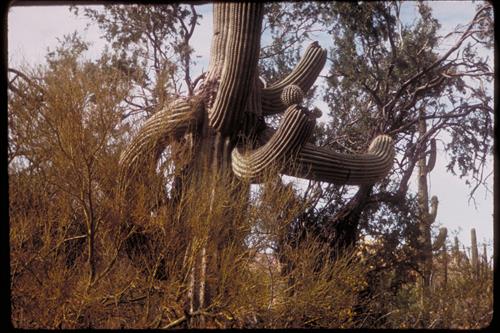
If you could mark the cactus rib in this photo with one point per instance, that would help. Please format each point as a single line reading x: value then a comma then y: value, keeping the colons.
x: 219, y: 40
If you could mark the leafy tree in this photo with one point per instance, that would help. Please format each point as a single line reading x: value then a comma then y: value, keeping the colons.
x: 387, y: 76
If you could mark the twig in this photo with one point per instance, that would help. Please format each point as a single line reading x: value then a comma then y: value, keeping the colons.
x: 188, y: 316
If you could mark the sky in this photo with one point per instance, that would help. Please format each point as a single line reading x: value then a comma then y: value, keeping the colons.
x: 32, y: 30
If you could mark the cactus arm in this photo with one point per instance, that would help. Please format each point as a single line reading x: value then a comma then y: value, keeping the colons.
x: 440, y: 239
x: 303, y: 75
x: 322, y: 164
x: 434, y: 207
x: 170, y: 123
x: 240, y: 65
x: 295, y: 128
x: 432, y: 157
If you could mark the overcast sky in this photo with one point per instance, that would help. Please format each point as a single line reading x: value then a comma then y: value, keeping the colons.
x: 31, y: 30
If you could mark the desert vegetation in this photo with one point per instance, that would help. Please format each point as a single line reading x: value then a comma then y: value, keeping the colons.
x: 143, y: 197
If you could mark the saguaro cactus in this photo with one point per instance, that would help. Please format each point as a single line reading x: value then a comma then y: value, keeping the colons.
x: 235, y: 112
x: 456, y: 252
x: 427, y: 216
x: 485, y: 265
x: 474, y: 253
x: 226, y: 116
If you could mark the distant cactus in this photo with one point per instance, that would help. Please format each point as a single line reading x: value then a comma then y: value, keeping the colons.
x: 444, y: 254
x: 456, y: 252
x: 427, y: 216
x: 474, y: 253
x: 434, y: 207
x: 485, y: 260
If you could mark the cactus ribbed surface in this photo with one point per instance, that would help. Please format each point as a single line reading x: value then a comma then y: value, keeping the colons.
x: 239, y: 66
x: 221, y: 15
x: 294, y: 130
x: 303, y: 75
x: 322, y: 164
x: 292, y: 94
x: 172, y: 122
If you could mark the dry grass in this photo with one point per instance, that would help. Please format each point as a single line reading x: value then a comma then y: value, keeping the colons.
x: 141, y: 281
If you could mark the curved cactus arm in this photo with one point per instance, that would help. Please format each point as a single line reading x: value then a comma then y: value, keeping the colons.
x: 434, y: 208
x: 171, y: 122
x: 322, y: 164
x: 432, y: 157
x: 440, y: 239
x: 303, y: 75
x: 295, y: 128
x: 240, y: 65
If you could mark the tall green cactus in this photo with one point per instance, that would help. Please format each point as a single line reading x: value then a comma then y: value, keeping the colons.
x: 226, y: 117
x: 427, y: 216
x: 485, y: 264
x: 456, y: 252
x: 474, y: 253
